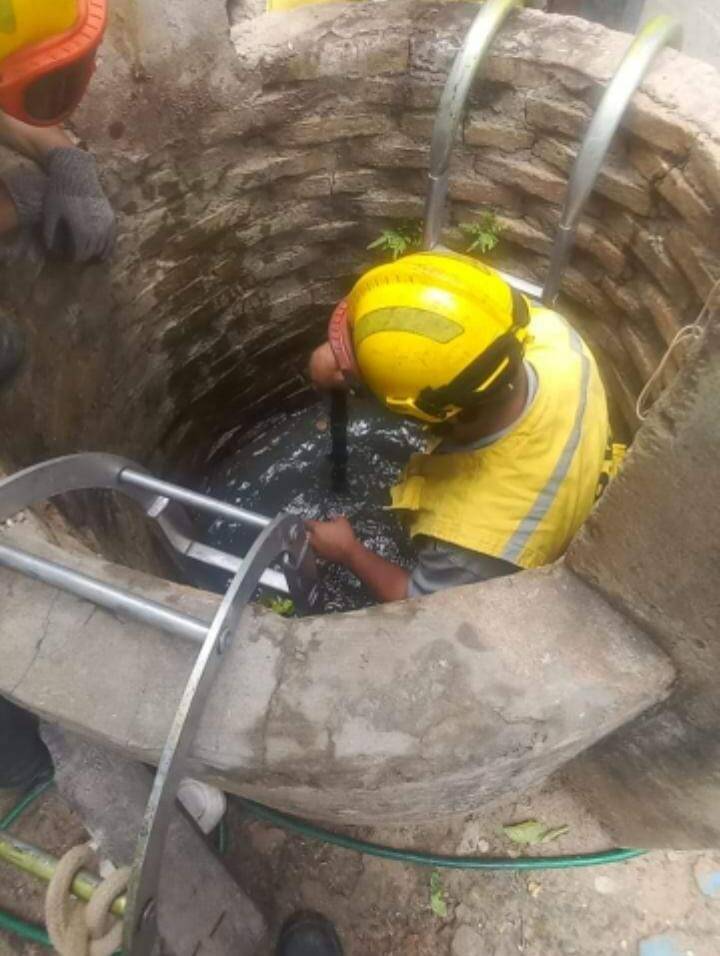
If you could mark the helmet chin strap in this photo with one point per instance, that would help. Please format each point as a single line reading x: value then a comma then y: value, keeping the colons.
x: 468, y: 390
x: 462, y: 392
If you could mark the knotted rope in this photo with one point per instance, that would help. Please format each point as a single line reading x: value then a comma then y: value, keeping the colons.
x: 83, y: 929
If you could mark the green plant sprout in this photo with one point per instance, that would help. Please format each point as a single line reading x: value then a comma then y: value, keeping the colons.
x: 279, y: 605
x: 400, y: 240
x: 484, y: 234
x: 437, y: 896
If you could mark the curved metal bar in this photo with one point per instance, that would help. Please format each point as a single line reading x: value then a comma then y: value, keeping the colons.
x: 660, y: 32
x: 285, y: 535
x: 452, y: 106
x: 59, y: 476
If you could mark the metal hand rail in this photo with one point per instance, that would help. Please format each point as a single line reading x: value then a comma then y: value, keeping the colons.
x: 660, y: 32
x: 285, y: 535
x: 160, y: 500
x: 452, y: 107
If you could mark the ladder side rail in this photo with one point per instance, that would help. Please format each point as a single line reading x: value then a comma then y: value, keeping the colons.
x: 658, y: 33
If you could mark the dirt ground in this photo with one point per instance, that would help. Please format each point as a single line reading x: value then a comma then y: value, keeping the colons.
x: 663, y: 904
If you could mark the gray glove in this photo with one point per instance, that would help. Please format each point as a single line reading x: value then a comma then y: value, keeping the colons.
x: 26, y: 188
x: 79, y: 222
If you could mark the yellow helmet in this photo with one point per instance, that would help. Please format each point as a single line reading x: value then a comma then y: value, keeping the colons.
x: 47, y: 55
x: 434, y: 334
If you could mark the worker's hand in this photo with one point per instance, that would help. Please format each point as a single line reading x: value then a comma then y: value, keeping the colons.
x: 324, y: 370
x: 79, y: 222
x: 26, y: 190
x: 333, y: 540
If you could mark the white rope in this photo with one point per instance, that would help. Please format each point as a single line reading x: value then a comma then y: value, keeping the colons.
x: 688, y: 332
x: 79, y: 929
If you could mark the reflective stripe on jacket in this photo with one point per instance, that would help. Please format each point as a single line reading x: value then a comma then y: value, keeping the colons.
x: 523, y: 497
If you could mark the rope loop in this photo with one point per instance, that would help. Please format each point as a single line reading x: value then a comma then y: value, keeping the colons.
x: 80, y: 929
x: 687, y: 333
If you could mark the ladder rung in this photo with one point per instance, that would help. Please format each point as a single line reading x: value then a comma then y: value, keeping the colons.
x: 104, y: 595
x: 194, y: 499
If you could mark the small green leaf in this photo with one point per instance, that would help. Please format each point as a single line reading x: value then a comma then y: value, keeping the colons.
x: 532, y: 832
x: 283, y: 606
x: 484, y: 234
x: 437, y: 896
x: 400, y: 240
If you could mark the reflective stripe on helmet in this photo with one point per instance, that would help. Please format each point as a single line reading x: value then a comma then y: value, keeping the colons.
x: 407, y: 319
x: 8, y: 23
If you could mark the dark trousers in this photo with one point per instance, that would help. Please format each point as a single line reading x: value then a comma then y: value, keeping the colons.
x: 23, y: 756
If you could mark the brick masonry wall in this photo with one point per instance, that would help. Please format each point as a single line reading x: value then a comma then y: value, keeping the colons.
x: 249, y: 181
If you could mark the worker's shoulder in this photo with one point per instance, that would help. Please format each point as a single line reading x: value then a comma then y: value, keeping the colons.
x: 566, y: 369
x: 550, y: 333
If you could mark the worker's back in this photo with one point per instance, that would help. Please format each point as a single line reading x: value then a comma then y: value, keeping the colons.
x: 523, y: 494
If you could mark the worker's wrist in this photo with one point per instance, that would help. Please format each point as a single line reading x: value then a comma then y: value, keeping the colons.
x: 355, y: 555
x: 54, y: 138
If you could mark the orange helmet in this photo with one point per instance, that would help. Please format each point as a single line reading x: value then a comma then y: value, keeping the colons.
x: 47, y: 56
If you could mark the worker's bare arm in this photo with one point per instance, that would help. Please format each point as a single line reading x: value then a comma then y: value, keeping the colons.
x: 387, y: 581
x: 32, y: 141
x: 335, y: 541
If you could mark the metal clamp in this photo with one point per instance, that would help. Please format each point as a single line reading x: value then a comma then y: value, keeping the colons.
x: 660, y: 32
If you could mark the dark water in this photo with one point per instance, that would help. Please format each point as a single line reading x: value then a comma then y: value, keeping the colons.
x: 288, y: 468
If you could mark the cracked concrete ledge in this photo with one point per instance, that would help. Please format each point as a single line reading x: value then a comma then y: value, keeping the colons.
x: 392, y: 714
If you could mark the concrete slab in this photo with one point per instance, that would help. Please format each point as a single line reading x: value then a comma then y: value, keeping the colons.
x: 651, y: 547
x: 388, y: 714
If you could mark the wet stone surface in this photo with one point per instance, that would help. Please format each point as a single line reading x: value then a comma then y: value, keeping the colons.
x: 287, y: 468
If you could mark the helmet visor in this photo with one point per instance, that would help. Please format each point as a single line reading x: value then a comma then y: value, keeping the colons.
x: 52, y: 97
x: 42, y: 83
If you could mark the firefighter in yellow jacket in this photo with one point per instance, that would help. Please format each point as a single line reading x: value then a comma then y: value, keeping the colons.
x: 515, y: 408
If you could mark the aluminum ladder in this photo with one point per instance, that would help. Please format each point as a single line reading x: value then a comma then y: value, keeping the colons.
x: 280, y: 540
x: 650, y: 40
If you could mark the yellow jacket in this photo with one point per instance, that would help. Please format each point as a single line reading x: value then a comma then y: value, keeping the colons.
x: 522, y: 497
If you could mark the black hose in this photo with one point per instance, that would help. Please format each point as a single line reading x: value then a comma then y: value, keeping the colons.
x: 339, y: 439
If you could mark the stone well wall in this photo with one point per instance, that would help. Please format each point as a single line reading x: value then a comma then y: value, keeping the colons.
x: 249, y: 180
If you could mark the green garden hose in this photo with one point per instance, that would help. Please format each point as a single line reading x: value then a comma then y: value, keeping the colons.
x: 37, y: 934
x: 296, y: 825
x: 8, y: 922
x: 26, y: 931
x: 20, y: 808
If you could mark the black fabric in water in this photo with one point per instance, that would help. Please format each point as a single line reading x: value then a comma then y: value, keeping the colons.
x: 288, y: 468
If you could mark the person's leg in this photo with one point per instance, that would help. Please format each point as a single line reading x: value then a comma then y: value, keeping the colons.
x: 24, y: 758
x: 308, y: 934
